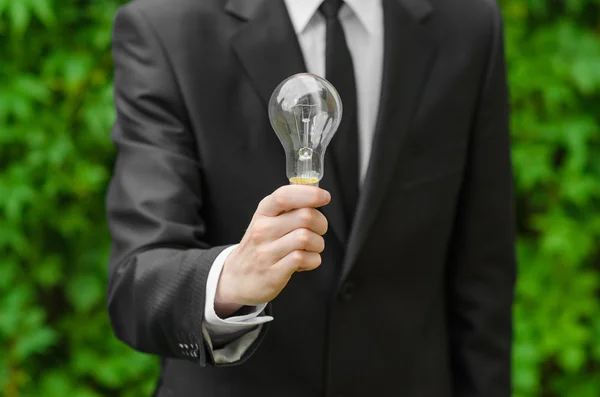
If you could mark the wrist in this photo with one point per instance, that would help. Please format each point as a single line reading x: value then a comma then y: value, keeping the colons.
x: 225, y: 307
x: 225, y: 302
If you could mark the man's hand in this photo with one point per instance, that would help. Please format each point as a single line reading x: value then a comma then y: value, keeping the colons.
x: 284, y: 237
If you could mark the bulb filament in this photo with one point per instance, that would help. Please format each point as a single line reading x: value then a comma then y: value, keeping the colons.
x: 304, y: 132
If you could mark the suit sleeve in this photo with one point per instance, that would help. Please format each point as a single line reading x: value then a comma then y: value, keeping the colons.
x: 159, y: 261
x: 482, y: 264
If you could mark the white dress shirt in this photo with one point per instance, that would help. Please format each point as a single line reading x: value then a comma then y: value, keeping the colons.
x: 362, y: 22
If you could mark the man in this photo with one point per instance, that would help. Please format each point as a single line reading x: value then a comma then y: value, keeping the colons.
x: 395, y: 279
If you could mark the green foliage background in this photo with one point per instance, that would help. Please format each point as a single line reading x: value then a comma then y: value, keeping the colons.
x: 55, y: 159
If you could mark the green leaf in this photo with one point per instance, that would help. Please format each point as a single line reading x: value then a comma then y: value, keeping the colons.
x: 572, y: 359
x: 49, y: 272
x: 84, y: 292
x: 43, y: 11
x: 19, y: 16
x: 37, y: 341
x: 56, y: 384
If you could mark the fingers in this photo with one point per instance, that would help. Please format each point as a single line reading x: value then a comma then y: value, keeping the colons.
x: 292, y: 197
x: 266, y: 228
x: 308, y: 218
x: 296, y: 261
x: 299, y: 239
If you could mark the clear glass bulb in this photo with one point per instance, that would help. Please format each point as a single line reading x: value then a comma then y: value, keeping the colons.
x: 305, y: 111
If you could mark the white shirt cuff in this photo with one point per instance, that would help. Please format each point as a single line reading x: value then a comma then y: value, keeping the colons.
x: 222, y: 327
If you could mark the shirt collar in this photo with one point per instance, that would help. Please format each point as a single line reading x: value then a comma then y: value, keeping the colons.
x: 367, y: 11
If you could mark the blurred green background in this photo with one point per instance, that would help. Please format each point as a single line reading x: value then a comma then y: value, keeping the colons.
x: 55, y: 160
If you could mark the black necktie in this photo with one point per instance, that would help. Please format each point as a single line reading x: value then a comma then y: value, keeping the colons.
x: 340, y: 72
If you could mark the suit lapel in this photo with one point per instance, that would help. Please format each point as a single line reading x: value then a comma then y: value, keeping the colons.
x: 268, y: 49
x: 409, y: 54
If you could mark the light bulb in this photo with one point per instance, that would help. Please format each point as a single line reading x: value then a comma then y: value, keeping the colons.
x: 305, y: 111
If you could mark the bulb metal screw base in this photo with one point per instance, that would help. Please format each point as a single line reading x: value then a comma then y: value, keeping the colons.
x: 310, y: 181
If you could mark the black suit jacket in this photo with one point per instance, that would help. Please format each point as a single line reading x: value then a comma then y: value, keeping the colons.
x: 414, y: 301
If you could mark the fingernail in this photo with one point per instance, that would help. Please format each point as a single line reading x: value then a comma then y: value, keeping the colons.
x: 327, y: 196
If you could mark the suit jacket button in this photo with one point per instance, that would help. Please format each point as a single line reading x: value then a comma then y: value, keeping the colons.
x: 347, y: 291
